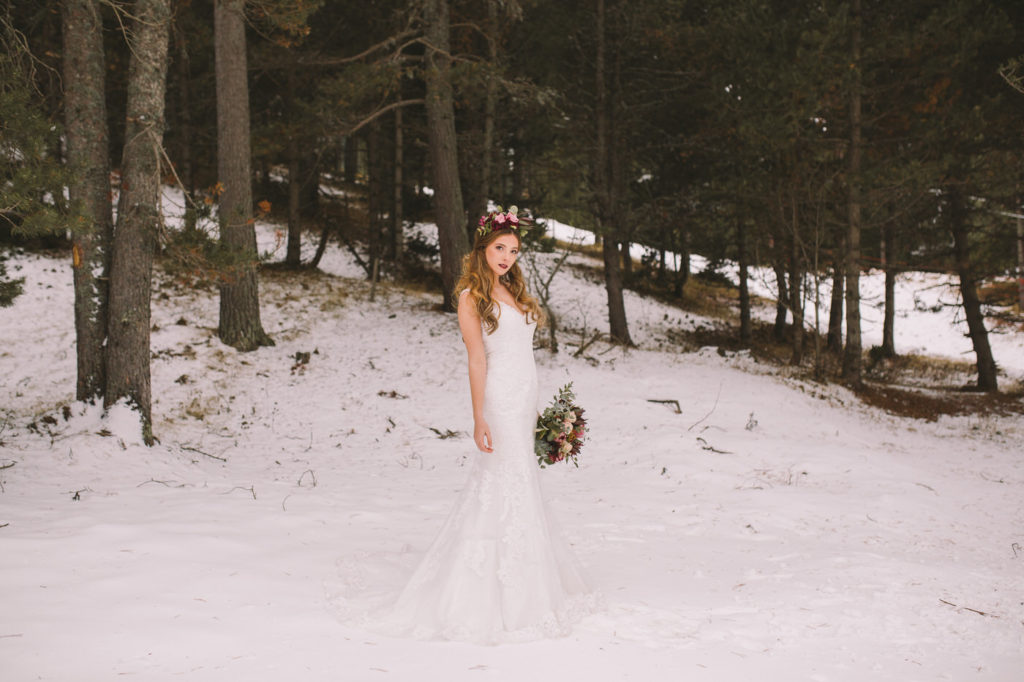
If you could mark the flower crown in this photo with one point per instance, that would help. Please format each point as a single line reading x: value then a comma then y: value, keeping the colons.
x: 496, y: 220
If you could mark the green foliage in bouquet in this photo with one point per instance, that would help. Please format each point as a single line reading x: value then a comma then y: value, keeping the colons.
x: 560, y: 429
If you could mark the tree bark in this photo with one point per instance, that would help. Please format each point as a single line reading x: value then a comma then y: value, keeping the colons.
x: 185, y: 166
x: 889, y: 316
x: 477, y: 204
x: 987, y: 380
x: 852, y: 352
x: 397, y: 209
x: 448, y: 208
x: 605, y: 174
x: 782, y: 299
x: 683, y: 249
x: 293, y: 250
x: 88, y: 156
x: 796, y: 278
x: 1020, y: 265
x: 131, y: 270
x: 240, y: 324
x: 834, y: 340
x: 744, y: 263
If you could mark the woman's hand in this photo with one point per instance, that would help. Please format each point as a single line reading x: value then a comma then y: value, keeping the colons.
x: 482, y: 436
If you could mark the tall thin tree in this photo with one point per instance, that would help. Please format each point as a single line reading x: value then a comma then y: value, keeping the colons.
x: 448, y: 207
x: 88, y: 157
x: 605, y: 188
x: 852, y: 351
x: 239, y: 324
x: 138, y: 213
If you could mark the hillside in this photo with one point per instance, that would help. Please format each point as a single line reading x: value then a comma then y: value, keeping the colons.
x: 773, y: 529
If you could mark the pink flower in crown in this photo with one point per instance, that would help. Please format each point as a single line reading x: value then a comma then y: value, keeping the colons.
x: 499, y: 218
x: 482, y: 221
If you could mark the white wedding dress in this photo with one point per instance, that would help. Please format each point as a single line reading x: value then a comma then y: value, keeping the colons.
x: 498, y: 570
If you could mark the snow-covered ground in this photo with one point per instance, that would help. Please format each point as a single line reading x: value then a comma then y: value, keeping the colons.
x: 773, y: 530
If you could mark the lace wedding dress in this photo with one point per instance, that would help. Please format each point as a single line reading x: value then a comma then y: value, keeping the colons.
x: 498, y: 570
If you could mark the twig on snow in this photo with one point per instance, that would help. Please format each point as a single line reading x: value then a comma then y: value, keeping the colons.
x: 678, y: 409
x: 712, y: 409
x: 311, y: 475
x: 704, y: 445
x: 251, y: 489
x: 169, y: 484
x: 200, y: 452
x: 968, y: 608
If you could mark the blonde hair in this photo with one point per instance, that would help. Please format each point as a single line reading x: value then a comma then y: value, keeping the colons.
x: 478, y: 279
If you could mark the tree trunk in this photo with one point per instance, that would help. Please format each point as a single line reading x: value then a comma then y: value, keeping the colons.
x: 88, y: 157
x: 834, y: 340
x: 683, y: 250
x: 293, y: 251
x: 1020, y: 265
x: 741, y: 248
x: 483, y: 190
x: 796, y: 303
x: 138, y: 214
x: 374, y: 195
x: 889, y: 319
x: 240, y: 324
x: 987, y: 380
x: 397, y: 231
x: 185, y: 166
x: 605, y: 175
x: 351, y: 158
x: 448, y: 209
x: 782, y: 299
x: 853, y: 350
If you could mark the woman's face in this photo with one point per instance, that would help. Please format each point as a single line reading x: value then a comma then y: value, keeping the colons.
x: 501, y: 254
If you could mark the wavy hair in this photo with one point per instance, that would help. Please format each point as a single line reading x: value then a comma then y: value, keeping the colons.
x: 479, y: 280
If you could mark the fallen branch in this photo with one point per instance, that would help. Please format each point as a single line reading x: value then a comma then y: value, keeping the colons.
x: 667, y: 402
x: 7, y: 466
x: 968, y: 608
x: 584, y: 344
x: 251, y: 489
x: 711, y: 411
x: 706, y: 446
x: 169, y: 484
x: 448, y: 433
x: 311, y: 475
x: 198, y: 451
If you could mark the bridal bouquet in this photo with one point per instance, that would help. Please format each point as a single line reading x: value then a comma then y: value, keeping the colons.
x: 560, y: 429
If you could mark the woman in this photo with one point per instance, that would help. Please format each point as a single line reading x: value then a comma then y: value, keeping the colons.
x: 497, y: 571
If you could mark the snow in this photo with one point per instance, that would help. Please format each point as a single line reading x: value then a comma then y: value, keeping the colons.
x: 773, y: 530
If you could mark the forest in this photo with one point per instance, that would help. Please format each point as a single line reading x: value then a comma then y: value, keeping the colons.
x: 818, y: 139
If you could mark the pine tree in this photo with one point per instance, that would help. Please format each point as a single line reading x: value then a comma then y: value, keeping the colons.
x: 138, y: 216
x: 239, y: 324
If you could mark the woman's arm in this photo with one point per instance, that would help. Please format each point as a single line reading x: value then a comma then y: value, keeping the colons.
x: 473, y: 337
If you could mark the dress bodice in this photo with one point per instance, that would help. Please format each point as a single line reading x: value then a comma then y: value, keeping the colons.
x: 511, y: 385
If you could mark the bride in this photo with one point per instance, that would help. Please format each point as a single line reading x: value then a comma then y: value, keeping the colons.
x: 498, y: 570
